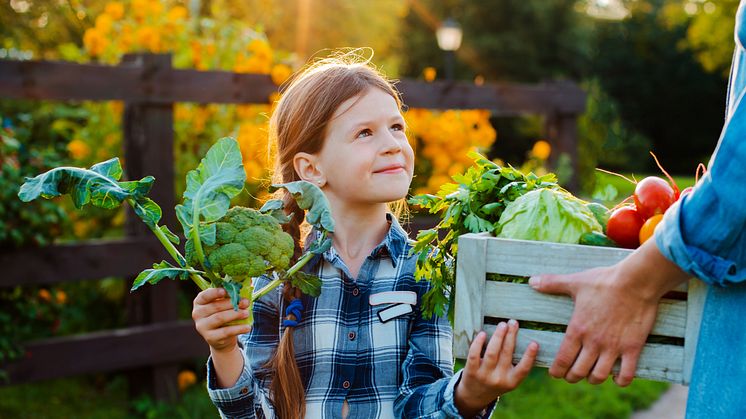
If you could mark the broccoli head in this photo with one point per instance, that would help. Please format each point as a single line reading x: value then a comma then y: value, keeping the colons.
x: 247, y: 244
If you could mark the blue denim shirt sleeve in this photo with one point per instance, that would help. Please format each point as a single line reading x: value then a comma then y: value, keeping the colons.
x: 704, y: 232
x: 427, y: 389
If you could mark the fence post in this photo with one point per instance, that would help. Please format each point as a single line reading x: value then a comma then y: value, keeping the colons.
x: 149, y: 150
x: 562, y: 133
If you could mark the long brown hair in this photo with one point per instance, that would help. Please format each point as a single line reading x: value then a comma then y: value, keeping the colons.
x: 299, y: 124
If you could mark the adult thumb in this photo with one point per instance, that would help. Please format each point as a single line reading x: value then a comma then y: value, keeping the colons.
x: 551, y: 284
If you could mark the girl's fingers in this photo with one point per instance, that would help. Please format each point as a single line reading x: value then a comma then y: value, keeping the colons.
x: 228, y: 332
x: 475, y: 353
x: 209, y: 295
x: 217, y: 320
x: 492, y: 354
x: 521, y: 370
x: 506, y: 353
x: 207, y: 310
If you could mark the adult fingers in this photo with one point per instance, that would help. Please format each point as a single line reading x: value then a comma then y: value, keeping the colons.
x: 492, y: 353
x: 583, y: 364
x: 603, y: 367
x: 629, y: 366
x: 508, y: 347
x: 568, y: 352
x: 553, y: 284
x: 473, y: 358
x: 521, y: 370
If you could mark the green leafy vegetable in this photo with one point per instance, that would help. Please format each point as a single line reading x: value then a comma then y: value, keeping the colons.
x: 231, y: 245
x: 472, y: 204
x: 547, y: 215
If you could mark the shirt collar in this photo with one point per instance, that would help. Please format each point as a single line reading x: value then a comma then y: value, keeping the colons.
x: 395, y: 244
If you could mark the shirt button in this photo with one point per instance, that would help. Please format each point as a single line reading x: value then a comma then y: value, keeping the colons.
x: 355, y: 291
x: 351, y: 335
x: 244, y: 390
x: 346, y: 384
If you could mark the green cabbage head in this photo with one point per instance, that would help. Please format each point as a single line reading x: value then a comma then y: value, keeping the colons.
x: 548, y: 215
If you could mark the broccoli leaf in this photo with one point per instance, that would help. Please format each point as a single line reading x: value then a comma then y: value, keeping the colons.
x: 307, y: 283
x: 274, y: 207
x: 310, y: 198
x: 218, y: 178
x: 148, y: 211
x: 173, y: 238
x: 234, y: 291
x: 320, y: 246
x: 98, y: 186
x: 160, y: 271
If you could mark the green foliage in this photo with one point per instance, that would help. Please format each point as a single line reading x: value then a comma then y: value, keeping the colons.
x: 473, y: 204
x: 20, y: 225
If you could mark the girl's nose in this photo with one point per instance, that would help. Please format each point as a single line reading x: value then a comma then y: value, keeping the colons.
x: 392, y: 144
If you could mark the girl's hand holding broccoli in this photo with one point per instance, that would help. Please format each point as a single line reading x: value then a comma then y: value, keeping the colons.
x: 211, y: 311
x: 487, y: 377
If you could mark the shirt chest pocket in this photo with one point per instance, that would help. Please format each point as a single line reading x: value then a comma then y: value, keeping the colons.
x: 391, y: 325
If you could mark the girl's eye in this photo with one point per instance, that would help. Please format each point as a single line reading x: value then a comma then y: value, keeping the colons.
x: 364, y: 133
x: 397, y: 127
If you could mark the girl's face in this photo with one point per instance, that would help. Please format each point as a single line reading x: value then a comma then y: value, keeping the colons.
x: 366, y: 158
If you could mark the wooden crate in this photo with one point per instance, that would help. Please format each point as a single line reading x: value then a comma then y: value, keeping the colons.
x: 478, y: 298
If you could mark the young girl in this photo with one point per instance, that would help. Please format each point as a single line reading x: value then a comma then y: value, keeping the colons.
x: 362, y: 349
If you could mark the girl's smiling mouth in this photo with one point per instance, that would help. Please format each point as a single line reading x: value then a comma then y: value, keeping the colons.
x: 396, y: 168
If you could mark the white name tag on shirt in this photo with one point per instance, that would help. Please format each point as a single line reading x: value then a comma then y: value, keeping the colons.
x: 394, y: 297
x: 394, y: 312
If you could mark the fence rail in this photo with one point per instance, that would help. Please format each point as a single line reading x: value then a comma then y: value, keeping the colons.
x: 149, y: 86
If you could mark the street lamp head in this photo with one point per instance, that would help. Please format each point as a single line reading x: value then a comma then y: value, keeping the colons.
x: 449, y: 35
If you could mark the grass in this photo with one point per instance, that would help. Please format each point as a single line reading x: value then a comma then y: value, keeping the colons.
x: 105, y: 397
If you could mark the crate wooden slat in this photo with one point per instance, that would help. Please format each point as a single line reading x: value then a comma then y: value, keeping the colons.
x: 478, y: 298
x: 521, y: 302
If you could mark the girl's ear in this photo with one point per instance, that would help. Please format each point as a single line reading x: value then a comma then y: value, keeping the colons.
x: 306, y: 166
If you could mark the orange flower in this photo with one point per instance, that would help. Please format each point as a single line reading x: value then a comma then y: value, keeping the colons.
x: 78, y: 149
x: 541, y: 150
x: 429, y: 73
x: 95, y: 42
x: 177, y: 14
x: 280, y: 73
x: 61, y: 297
x: 103, y: 23
x: 186, y: 379
x: 115, y: 10
x: 45, y: 295
x: 149, y: 38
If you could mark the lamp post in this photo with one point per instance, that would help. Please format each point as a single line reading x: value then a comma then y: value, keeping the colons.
x: 449, y: 40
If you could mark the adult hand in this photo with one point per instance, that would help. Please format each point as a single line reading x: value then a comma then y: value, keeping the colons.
x: 615, y: 309
x: 487, y: 377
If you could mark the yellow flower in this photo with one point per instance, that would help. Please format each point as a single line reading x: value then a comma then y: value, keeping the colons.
x: 103, y: 23
x: 260, y: 49
x: 45, y: 295
x: 61, y: 297
x: 541, y: 150
x: 429, y: 74
x: 115, y: 10
x: 280, y: 73
x: 78, y: 149
x: 177, y: 14
x: 95, y: 42
x: 140, y: 9
x: 186, y: 379
x: 155, y: 7
x: 274, y: 97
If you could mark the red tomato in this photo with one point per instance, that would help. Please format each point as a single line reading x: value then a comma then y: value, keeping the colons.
x: 624, y: 227
x: 653, y: 195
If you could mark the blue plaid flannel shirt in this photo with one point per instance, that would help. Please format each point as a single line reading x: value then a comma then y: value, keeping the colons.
x: 400, y: 368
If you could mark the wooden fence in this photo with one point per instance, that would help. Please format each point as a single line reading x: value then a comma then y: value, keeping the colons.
x: 148, y: 85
